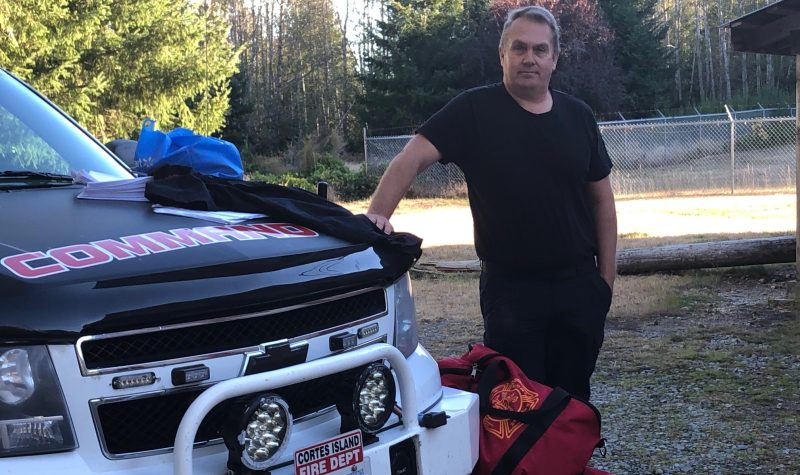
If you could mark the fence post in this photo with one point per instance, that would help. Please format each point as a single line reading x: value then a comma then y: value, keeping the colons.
x: 663, y: 135
x: 797, y: 159
x: 364, y: 135
x: 733, y: 148
x: 625, y: 136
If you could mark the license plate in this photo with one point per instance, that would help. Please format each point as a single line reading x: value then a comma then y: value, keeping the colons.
x: 340, y: 455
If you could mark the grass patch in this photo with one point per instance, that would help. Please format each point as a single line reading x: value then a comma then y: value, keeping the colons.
x: 633, y: 235
x: 449, y: 253
x: 641, y: 296
x: 784, y: 338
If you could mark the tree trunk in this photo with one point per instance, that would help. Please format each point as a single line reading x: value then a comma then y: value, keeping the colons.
x: 723, y: 43
x: 279, y: 49
x: 270, y: 80
x: 758, y: 74
x: 745, y: 88
x: 769, y: 81
x: 758, y: 63
x: 707, y: 34
x: 343, y: 87
x: 698, y: 57
x: 678, y: 35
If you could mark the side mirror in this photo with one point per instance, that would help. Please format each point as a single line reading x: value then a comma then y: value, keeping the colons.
x: 124, y: 149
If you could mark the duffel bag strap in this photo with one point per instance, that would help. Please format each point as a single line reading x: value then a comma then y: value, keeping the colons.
x: 489, y: 380
x: 551, y: 408
x: 486, y: 358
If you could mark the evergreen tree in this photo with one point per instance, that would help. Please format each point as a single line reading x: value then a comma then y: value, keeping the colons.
x: 426, y: 51
x: 638, y: 50
x: 110, y: 63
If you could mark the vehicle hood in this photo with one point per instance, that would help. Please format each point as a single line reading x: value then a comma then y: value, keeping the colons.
x: 75, y: 266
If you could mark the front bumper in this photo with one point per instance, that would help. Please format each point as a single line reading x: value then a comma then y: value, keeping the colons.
x: 449, y: 449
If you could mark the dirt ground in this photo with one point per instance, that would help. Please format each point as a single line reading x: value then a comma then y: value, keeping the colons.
x: 699, y: 370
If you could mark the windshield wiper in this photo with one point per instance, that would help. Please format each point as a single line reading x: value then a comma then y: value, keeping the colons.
x: 31, y: 175
x: 31, y: 179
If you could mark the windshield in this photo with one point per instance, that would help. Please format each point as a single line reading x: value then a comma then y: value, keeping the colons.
x: 36, y: 137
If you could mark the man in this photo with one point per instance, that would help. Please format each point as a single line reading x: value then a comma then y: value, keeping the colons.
x: 545, y: 222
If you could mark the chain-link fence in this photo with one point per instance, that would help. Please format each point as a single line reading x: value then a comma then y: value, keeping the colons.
x: 735, y: 152
x: 438, y: 180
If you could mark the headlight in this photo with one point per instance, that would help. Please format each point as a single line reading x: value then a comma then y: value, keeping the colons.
x: 259, y: 435
x: 16, y: 377
x: 405, y: 317
x: 372, y: 401
x: 33, y: 414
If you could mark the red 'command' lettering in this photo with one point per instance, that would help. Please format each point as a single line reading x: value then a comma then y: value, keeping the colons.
x: 36, y: 264
x: 32, y: 265
x: 280, y: 230
x: 130, y: 246
x: 78, y: 256
x: 178, y: 238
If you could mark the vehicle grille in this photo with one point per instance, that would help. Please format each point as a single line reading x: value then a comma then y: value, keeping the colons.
x: 150, y: 423
x: 230, y: 334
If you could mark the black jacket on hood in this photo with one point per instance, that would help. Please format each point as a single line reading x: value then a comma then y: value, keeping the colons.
x: 183, y: 187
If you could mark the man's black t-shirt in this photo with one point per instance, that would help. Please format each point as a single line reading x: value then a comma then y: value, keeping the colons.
x: 526, y: 175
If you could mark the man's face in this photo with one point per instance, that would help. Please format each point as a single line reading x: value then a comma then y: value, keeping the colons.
x: 528, y: 57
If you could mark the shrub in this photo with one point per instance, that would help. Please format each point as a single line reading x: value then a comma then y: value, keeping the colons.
x: 266, y: 165
x: 309, y: 161
x: 285, y: 179
x: 762, y: 135
x: 346, y: 185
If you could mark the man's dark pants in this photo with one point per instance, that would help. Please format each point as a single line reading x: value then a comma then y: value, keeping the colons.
x: 551, y: 325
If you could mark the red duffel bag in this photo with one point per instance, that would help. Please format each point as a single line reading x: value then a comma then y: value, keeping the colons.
x: 527, y: 428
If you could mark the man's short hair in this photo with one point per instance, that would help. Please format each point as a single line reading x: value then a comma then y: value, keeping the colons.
x: 537, y: 14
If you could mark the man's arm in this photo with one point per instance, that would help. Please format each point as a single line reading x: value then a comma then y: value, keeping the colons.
x: 601, y: 199
x: 418, y: 154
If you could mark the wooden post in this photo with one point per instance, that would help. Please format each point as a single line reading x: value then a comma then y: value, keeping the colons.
x: 797, y: 158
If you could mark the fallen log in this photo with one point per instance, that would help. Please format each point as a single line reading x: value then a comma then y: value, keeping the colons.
x: 451, y: 266
x: 702, y: 255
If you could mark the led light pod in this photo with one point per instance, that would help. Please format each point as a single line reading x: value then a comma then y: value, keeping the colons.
x: 261, y: 433
x: 374, y: 397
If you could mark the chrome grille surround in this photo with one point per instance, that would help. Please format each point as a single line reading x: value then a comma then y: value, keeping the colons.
x: 373, y: 300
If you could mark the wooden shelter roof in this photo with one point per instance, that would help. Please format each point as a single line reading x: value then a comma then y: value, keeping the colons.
x: 774, y: 29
